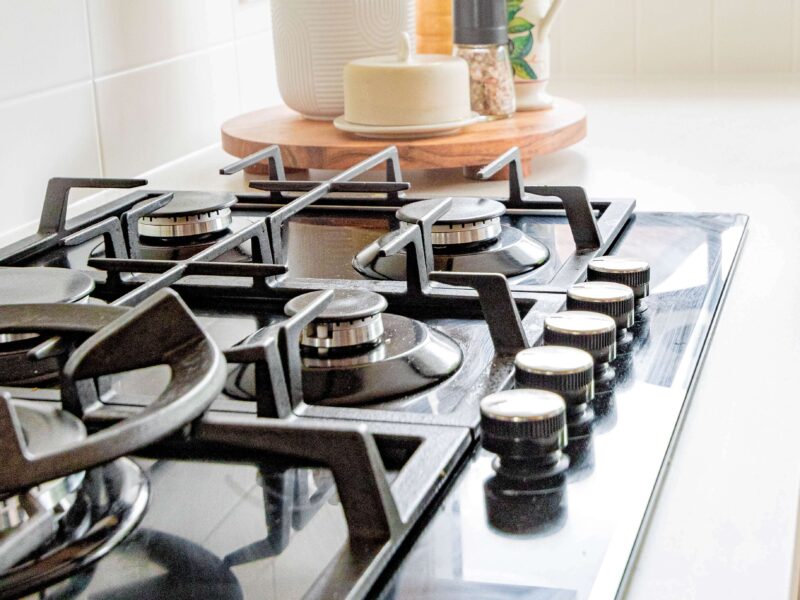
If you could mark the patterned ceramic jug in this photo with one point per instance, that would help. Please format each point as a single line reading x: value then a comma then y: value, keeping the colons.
x: 529, y: 23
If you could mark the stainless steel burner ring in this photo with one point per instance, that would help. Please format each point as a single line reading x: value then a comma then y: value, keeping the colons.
x: 352, y: 318
x: 56, y: 496
x: 456, y: 234
x: 181, y: 226
x: 343, y: 334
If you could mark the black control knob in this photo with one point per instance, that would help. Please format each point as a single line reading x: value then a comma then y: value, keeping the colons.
x: 612, y: 299
x: 569, y: 372
x: 632, y: 272
x: 590, y: 331
x: 524, y: 427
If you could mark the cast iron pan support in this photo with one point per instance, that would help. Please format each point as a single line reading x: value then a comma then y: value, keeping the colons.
x: 576, y: 204
x: 278, y: 183
x: 56, y: 199
x: 130, y: 220
x: 159, y: 331
x: 348, y: 450
x: 202, y: 263
x: 53, y: 221
x: 499, y: 309
x: 277, y: 219
x: 279, y: 383
x: 272, y: 154
x: 494, y: 295
x: 125, y: 339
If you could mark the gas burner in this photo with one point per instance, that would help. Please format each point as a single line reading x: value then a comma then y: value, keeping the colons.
x: 354, y: 353
x: 188, y: 224
x: 35, y: 285
x: 189, y: 215
x: 109, y: 505
x: 469, y: 221
x: 58, y: 527
x: 352, y: 320
x: 469, y: 237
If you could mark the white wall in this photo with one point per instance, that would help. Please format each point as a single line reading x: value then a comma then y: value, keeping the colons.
x: 676, y: 38
x: 118, y: 87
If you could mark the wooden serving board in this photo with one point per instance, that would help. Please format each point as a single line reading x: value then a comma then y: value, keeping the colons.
x: 307, y: 144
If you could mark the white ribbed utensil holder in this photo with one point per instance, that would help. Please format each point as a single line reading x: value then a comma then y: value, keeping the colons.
x: 314, y: 39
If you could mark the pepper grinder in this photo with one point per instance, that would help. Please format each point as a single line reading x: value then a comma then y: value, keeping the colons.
x: 480, y: 36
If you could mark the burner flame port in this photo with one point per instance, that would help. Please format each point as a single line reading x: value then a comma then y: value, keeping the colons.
x: 469, y: 221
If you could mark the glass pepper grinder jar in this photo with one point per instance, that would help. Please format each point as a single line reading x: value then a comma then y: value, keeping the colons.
x: 480, y: 36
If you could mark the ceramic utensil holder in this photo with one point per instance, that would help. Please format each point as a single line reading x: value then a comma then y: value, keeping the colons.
x: 314, y: 39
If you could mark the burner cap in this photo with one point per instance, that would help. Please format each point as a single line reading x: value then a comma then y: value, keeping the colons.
x: 189, y: 214
x: 352, y: 318
x: 43, y: 285
x: 346, y: 305
x: 470, y: 220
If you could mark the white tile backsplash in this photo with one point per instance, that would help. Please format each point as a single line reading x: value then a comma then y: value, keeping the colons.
x: 257, y: 79
x: 598, y: 38
x: 151, y: 116
x: 47, y: 135
x: 754, y: 37
x: 675, y: 37
x: 128, y: 34
x: 251, y: 16
x: 43, y: 44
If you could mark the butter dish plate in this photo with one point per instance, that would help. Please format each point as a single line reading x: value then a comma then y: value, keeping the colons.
x: 387, y: 132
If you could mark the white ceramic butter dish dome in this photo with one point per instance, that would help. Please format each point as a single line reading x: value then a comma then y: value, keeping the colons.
x: 406, y: 89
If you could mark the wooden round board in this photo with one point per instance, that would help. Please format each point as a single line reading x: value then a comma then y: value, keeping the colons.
x: 307, y: 144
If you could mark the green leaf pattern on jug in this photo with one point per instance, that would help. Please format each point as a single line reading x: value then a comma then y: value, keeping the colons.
x: 520, y: 40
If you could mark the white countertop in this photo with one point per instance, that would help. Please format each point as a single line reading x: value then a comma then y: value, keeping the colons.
x: 725, y: 521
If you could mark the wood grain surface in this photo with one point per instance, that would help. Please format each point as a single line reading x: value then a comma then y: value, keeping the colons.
x: 307, y: 144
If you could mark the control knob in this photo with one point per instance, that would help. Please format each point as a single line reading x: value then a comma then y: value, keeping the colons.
x: 612, y: 299
x: 527, y: 429
x: 567, y: 371
x: 593, y: 332
x: 632, y: 272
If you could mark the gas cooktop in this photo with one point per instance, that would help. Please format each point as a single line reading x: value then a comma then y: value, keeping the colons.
x: 337, y: 389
